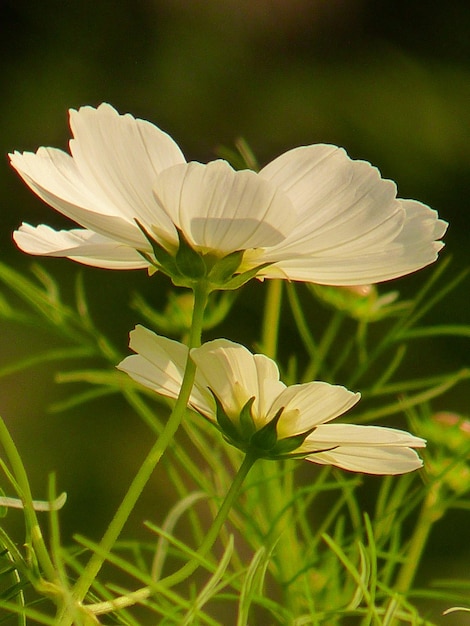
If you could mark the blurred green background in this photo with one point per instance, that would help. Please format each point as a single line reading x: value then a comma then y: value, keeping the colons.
x: 387, y: 79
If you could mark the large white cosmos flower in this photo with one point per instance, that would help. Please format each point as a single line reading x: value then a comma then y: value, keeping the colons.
x: 241, y: 393
x: 312, y: 214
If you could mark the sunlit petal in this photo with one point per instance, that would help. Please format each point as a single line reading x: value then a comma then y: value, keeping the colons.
x: 120, y: 157
x: 370, y: 460
x: 235, y: 375
x: 159, y: 365
x: 351, y: 227
x: 221, y: 210
x: 310, y: 404
x: 312, y: 214
x: 369, y: 449
x: 53, y: 176
x: 336, y: 199
x: 83, y: 246
x: 353, y: 435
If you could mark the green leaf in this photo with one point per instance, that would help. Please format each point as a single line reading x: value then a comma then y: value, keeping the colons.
x: 47, y: 357
x: 444, y: 330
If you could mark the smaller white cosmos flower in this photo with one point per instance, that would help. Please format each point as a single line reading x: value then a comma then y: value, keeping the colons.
x: 313, y: 214
x: 241, y: 393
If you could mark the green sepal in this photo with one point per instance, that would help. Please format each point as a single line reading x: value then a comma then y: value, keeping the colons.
x: 224, y: 269
x: 189, y: 262
x: 289, y: 444
x: 247, y: 424
x: 226, y: 425
x: 240, y: 279
x: 265, y: 439
x: 153, y: 267
x: 302, y: 455
x: 165, y: 260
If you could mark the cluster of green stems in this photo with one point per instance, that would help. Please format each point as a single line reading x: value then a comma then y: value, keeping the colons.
x: 71, y: 606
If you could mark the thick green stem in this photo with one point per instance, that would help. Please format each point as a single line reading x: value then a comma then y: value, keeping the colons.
x: 146, y: 470
x: 189, y: 568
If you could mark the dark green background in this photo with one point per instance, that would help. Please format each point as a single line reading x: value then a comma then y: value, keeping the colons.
x: 389, y: 80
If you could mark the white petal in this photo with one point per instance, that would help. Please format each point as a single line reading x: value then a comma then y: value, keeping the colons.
x: 311, y: 404
x: 353, y: 435
x: 415, y: 247
x: 107, y: 182
x: 120, y: 157
x: 337, y: 199
x: 159, y: 365
x: 421, y: 232
x: 221, y: 210
x: 53, y: 176
x: 351, y: 228
x: 369, y: 449
x: 83, y: 246
x: 235, y: 375
x: 370, y: 460
x: 159, y: 362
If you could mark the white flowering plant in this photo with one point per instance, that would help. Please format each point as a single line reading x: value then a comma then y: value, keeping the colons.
x: 268, y: 538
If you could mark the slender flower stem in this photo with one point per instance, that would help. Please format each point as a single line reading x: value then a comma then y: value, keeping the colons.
x: 191, y: 566
x: 33, y: 527
x: 317, y: 364
x: 278, y: 494
x: 210, y: 538
x: 271, y: 317
x: 302, y: 324
x: 143, y: 475
x: 426, y: 520
x: 431, y: 511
